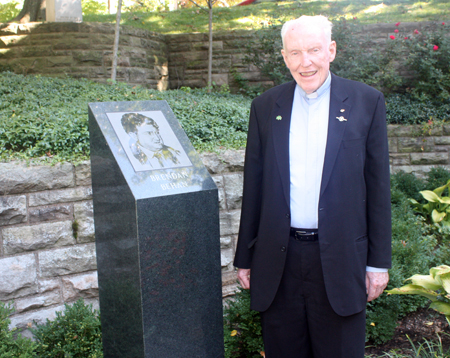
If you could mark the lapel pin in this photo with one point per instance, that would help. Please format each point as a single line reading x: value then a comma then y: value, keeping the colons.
x: 342, y: 119
x: 342, y: 110
x: 278, y: 118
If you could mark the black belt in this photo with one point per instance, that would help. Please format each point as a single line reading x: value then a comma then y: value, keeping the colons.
x: 304, y: 235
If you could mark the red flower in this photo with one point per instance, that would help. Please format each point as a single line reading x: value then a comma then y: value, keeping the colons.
x: 435, y: 47
x: 398, y: 23
x: 405, y: 38
x: 443, y: 23
x: 392, y: 37
x: 416, y: 31
x: 354, y: 18
x: 396, y: 30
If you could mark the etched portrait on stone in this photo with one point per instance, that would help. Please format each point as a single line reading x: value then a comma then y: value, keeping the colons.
x: 148, y: 140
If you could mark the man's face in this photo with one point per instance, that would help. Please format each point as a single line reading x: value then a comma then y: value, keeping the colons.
x: 308, y: 55
x: 148, y: 136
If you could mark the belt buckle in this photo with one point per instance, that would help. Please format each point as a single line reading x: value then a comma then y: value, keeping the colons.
x: 305, y: 234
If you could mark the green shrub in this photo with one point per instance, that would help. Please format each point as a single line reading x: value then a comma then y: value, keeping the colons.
x: 48, y: 117
x: 242, y: 328
x: 10, y: 346
x: 428, y: 54
x: 9, y: 10
x: 75, y: 333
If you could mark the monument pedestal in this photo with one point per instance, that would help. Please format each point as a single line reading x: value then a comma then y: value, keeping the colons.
x: 157, y: 237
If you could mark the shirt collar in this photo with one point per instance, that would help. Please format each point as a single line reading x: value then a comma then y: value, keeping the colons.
x: 319, y: 92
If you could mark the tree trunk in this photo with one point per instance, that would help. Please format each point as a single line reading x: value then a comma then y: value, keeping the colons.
x: 210, y: 50
x: 116, y: 42
x: 30, y: 12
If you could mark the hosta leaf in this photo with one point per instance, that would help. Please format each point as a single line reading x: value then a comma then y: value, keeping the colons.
x: 426, y: 281
x: 413, y: 290
x: 431, y: 196
x: 437, y: 217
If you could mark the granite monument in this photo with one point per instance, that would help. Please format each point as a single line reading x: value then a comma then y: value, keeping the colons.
x: 157, y: 235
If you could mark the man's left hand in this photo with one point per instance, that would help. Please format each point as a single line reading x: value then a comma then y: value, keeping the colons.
x: 376, y: 282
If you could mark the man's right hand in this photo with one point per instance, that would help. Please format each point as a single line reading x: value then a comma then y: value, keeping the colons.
x: 244, y: 278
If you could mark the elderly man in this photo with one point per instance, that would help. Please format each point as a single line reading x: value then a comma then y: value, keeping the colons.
x: 315, y: 237
x: 146, y: 143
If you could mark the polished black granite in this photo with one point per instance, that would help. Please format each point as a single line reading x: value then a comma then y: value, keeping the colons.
x: 158, y: 247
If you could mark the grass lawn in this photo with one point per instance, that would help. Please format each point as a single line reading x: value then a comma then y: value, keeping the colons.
x: 265, y: 13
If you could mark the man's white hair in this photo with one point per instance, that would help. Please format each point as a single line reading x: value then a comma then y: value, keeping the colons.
x: 317, y: 21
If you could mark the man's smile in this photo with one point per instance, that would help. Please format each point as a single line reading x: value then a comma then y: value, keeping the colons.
x: 308, y: 74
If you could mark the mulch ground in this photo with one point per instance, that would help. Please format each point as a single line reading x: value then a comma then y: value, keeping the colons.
x: 420, y: 325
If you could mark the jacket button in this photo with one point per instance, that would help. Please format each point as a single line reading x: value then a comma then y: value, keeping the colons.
x: 283, y: 248
x: 288, y: 216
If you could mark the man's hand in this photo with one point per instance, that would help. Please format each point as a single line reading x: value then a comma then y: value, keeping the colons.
x: 376, y: 282
x: 244, y: 278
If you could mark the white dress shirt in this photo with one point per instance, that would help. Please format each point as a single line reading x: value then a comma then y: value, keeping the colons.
x: 307, y: 144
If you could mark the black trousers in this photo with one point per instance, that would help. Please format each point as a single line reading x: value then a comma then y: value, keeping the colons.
x: 301, y: 323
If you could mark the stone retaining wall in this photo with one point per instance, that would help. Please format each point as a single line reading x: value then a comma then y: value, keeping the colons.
x: 145, y: 58
x: 85, y: 50
x: 47, y: 248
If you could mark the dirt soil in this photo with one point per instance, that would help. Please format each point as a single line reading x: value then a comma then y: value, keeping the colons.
x: 420, y: 325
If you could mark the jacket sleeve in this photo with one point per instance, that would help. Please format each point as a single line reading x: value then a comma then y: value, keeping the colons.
x: 251, y: 201
x: 377, y: 178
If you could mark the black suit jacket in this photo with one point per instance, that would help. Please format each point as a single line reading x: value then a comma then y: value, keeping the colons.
x: 354, y: 204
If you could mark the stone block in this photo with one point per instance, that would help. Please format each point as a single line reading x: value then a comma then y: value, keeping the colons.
x: 13, y: 210
x: 226, y: 161
x: 59, y: 61
x: 37, y: 237
x: 442, y: 140
x: 73, y: 44
x: 50, y: 213
x: 60, y: 196
x: 67, y: 260
x: 229, y: 283
x: 226, y: 242
x: 18, y: 277
x: 233, y: 190
x: 49, y: 284
x: 393, y: 144
x: 16, y: 178
x: 414, y: 144
x: 218, y: 179
x: 28, y: 320
x: 84, y: 216
x: 36, y: 51
x: 80, y: 286
x: 88, y: 58
x: 400, y: 159
x: 429, y: 158
x: 38, y: 301
x: 226, y: 258
x: 229, y: 222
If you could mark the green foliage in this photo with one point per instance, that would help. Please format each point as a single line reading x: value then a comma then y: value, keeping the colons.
x: 261, y: 14
x: 75, y: 333
x: 415, y: 248
x: 92, y: 7
x: 48, y: 117
x: 11, y: 347
x: 242, y: 328
x: 426, y: 349
x: 428, y: 54
x: 437, y: 208
x: 404, y: 108
x: 368, y: 63
x: 435, y: 287
x: 9, y: 10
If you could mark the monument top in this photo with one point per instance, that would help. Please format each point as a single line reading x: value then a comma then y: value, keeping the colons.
x: 153, y: 152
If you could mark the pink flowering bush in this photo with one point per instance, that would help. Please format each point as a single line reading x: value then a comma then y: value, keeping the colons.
x: 427, y: 56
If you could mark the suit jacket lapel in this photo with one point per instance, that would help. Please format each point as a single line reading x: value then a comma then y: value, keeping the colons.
x: 280, y: 127
x: 336, y: 128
